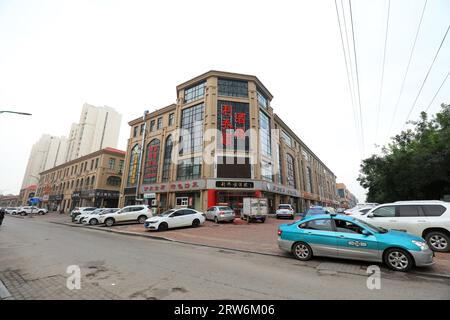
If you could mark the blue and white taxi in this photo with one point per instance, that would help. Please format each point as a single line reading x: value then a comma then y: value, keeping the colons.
x: 346, y: 237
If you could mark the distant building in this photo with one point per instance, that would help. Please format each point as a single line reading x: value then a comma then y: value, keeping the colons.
x: 91, y: 180
x: 47, y: 152
x: 346, y: 198
x: 9, y: 200
x: 97, y: 129
x: 26, y: 194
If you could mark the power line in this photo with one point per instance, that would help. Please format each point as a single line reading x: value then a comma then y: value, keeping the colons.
x: 434, y: 97
x: 382, y: 70
x: 357, y: 73
x: 426, y: 77
x: 347, y: 64
x: 407, y: 68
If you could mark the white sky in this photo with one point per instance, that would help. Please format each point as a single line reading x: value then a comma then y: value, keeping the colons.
x: 130, y: 55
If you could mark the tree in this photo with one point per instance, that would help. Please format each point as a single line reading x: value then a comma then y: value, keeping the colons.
x: 415, y: 165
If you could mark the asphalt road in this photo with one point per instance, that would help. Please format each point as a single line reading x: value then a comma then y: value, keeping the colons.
x: 139, y: 268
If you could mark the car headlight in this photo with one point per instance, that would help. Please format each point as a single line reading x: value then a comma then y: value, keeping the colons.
x: 420, y: 244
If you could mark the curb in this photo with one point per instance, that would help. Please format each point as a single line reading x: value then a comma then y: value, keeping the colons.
x: 131, y: 233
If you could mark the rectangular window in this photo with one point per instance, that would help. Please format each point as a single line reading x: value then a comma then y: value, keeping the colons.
x: 92, y: 164
x: 264, y: 134
x: 233, y: 88
x: 191, y: 138
x: 262, y: 100
x: 309, y: 187
x: 194, y: 93
x: 188, y: 169
x: 152, y: 125
x: 286, y: 138
x: 266, y: 171
x: 233, y: 167
x: 96, y: 163
x: 135, y: 130
x: 142, y: 129
x: 182, y: 201
x: 121, y: 162
x: 159, y: 125
x: 112, y: 163
x: 171, y: 118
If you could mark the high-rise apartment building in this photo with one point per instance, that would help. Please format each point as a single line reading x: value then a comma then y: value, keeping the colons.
x: 47, y: 152
x: 97, y: 129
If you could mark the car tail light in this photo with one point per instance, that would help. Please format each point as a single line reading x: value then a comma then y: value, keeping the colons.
x: 279, y: 232
x: 221, y: 213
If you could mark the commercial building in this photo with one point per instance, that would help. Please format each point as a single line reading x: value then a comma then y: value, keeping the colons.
x: 221, y: 142
x: 346, y: 198
x: 91, y: 180
x: 9, y: 200
x: 98, y: 128
x: 47, y: 152
x: 26, y: 194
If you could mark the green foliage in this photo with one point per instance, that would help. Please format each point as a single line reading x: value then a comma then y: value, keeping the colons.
x: 414, y: 166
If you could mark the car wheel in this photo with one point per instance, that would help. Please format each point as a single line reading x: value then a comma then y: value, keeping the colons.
x: 142, y: 219
x: 263, y: 220
x: 195, y: 223
x: 93, y: 222
x: 398, y: 260
x: 163, y: 226
x: 302, y: 251
x: 216, y: 220
x: 438, y: 241
x: 109, y: 222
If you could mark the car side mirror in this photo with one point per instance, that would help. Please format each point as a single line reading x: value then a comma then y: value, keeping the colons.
x: 370, y: 215
x: 366, y: 233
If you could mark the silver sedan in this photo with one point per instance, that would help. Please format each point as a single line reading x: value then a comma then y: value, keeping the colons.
x: 220, y: 213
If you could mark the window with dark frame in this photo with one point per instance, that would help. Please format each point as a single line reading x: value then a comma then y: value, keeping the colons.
x: 189, y: 168
x: 191, y: 138
x: 194, y: 93
x: 151, y: 161
x: 233, y: 88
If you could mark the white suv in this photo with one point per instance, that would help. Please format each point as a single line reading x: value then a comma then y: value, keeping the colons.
x: 31, y: 209
x: 285, y: 210
x: 427, y: 219
x: 137, y: 213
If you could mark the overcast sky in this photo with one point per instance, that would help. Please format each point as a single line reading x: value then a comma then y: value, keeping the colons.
x: 130, y: 55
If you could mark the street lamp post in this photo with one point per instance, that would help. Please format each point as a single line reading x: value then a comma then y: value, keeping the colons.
x: 141, y: 157
x: 16, y: 112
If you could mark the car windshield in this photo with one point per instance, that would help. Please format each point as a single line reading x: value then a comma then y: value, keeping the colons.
x: 97, y: 211
x: 284, y: 206
x: 166, y: 213
x: 224, y: 208
x: 372, y: 227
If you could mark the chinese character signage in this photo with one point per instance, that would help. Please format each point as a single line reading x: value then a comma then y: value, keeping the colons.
x: 233, y: 122
x: 235, y: 184
x: 174, y: 186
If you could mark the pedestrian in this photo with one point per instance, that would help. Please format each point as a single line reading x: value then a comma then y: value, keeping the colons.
x: 2, y: 215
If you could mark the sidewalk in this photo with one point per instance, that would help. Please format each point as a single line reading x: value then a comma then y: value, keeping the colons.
x: 255, y: 237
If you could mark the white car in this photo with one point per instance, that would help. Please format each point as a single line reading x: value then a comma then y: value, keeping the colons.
x: 359, y: 212
x: 175, y: 218
x: 359, y: 207
x: 79, y: 211
x: 85, y: 213
x: 94, y: 217
x: 31, y: 209
x: 136, y: 213
x: 427, y: 219
x: 285, y: 210
x: 11, y: 210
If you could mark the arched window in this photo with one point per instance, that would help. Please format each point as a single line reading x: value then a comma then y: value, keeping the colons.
x: 167, y: 158
x: 87, y: 182
x: 290, y: 171
x: 133, y: 168
x: 113, y: 181
x: 151, y: 161
x: 92, y: 180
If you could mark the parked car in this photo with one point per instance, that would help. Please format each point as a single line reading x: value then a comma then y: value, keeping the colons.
x: 12, y: 210
x: 77, y: 211
x: 427, y: 219
x: 316, y: 210
x: 136, y: 213
x: 359, y: 212
x: 93, y: 218
x: 342, y: 236
x: 220, y: 213
x: 85, y: 213
x: 360, y: 206
x: 31, y: 209
x: 175, y: 218
x: 285, y: 211
x: 340, y: 210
